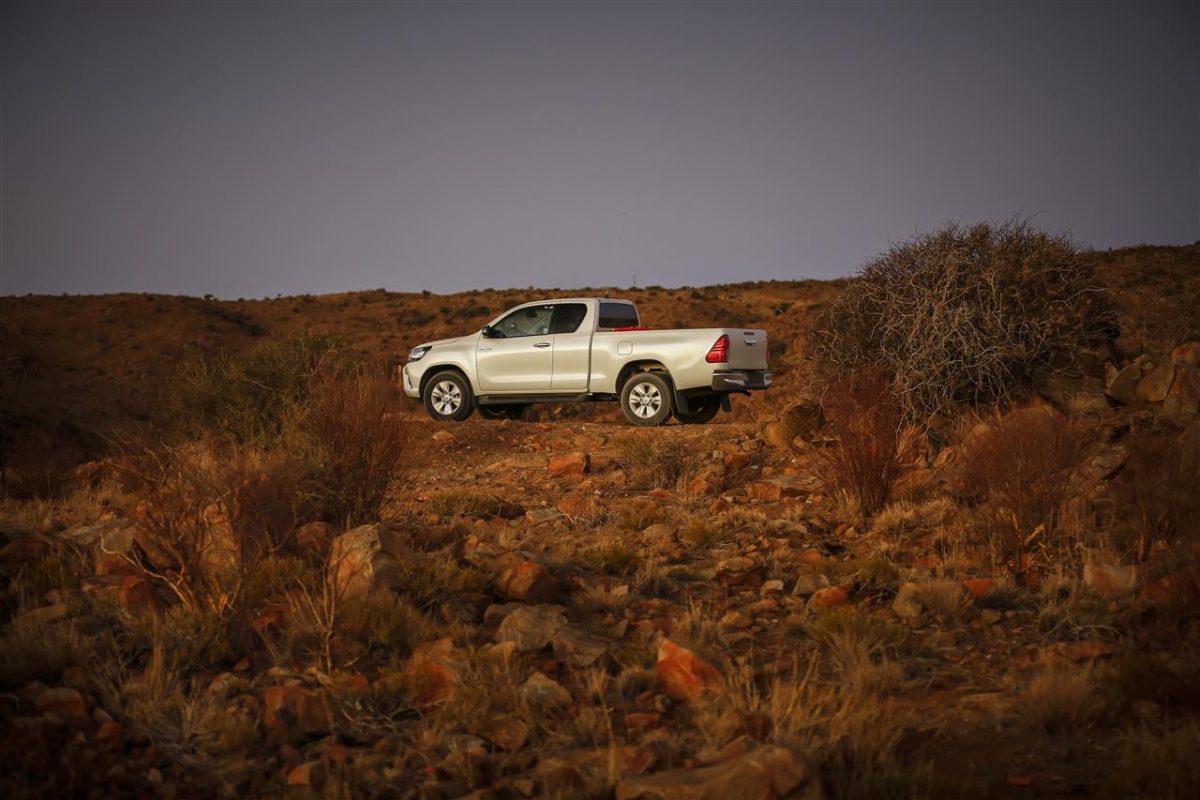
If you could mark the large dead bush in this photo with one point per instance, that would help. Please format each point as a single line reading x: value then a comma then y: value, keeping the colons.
x: 965, y: 314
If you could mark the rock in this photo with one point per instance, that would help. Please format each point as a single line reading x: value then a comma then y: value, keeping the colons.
x: 578, y: 504
x: 767, y: 491
x: 1128, y: 345
x: 1183, y: 398
x: 506, y: 731
x: 763, y: 773
x: 294, y: 710
x: 707, y: 482
x: 979, y: 587
x: 1153, y: 388
x: 1187, y: 353
x: 545, y: 693
x: 577, y: 648
x: 531, y: 627
x: 430, y: 675
x: 442, y: 437
x: 362, y: 559
x: 1110, y: 580
x: 315, y: 537
x: 683, y: 675
x: 829, y: 597
x: 528, y: 582
x: 65, y: 705
x: 740, y: 571
x: 809, y: 582
x: 571, y: 465
x: 771, y: 587
x: 311, y: 774
x: 1123, y: 386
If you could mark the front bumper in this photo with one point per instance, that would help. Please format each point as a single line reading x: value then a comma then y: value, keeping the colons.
x: 740, y: 380
x: 410, y: 380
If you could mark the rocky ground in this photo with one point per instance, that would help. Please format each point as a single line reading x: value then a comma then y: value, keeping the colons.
x: 567, y: 606
x: 597, y: 610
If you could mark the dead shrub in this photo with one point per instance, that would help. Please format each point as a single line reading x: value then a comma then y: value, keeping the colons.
x: 1058, y: 700
x: 1016, y: 469
x: 660, y: 462
x: 357, y: 446
x: 964, y: 314
x: 868, y: 420
x: 208, y: 514
x: 1156, y: 493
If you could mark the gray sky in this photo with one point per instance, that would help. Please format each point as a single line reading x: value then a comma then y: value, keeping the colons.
x: 249, y: 149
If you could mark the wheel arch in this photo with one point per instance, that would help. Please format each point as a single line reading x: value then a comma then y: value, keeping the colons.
x: 430, y: 372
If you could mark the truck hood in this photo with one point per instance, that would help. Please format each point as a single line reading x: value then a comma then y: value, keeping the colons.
x: 446, y: 341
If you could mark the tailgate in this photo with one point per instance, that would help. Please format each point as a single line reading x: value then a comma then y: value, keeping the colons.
x: 747, y: 349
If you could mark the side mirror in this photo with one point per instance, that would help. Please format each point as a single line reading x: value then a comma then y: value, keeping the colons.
x: 491, y: 333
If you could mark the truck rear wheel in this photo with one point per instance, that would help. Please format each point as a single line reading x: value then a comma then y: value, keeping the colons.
x: 448, y: 397
x: 646, y: 399
x: 703, y: 410
x: 513, y: 411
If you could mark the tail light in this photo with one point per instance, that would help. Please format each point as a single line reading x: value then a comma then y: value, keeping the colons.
x: 719, y: 352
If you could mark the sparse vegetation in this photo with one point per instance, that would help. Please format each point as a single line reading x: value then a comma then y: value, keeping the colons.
x: 205, y: 615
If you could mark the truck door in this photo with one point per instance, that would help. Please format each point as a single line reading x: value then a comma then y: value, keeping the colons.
x: 518, y: 356
x: 572, y: 327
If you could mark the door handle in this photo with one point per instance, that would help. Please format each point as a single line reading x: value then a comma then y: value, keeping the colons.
x: 482, y: 349
x: 542, y: 344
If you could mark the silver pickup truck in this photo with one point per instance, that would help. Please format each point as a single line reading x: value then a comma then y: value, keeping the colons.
x: 583, y: 350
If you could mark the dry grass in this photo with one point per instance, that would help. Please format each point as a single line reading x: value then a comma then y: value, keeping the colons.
x: 1156, y: 492
x: 1058, y: 700
x: 359, y: 447
x: 868, y: 420
x: 1016, y: 468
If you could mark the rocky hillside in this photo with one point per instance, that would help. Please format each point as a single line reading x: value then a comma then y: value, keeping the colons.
x: 566, y: 606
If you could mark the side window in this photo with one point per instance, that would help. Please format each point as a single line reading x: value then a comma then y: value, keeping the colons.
x: 618, y: 315
x: 530, y: 321
x: 568, y: 317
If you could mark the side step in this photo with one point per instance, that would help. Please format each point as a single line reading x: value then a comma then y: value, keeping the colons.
x: 511, y: 399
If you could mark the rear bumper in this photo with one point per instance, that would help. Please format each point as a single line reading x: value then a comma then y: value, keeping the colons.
x: 740, y: 380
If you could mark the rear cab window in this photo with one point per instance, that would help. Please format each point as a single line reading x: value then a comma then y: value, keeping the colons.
x: 568, y: 317
x: 617, y: 315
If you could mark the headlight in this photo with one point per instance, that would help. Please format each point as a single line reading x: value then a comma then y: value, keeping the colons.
x: 417, y: 353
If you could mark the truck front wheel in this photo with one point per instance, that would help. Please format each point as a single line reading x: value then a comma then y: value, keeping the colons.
x: 646, y: 399
x: 448, y: 397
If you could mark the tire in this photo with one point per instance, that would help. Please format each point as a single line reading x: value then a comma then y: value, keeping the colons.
x: 646, y: 399
x: 514, y: 411
x: 703, y: 410
x: 448, y: 397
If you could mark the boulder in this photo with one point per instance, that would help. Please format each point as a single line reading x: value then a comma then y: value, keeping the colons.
x: 531, y: 627
x: 1153, y: 387
x: 1183, y: 398
x: 294, y: 709
x: 683, y: 675
x: 315, y: 537
x: 570, y: 465
x: 766, y: 772
x: 1123, y: 385
x: 528, y: 582
x: 545, y: 693
x: 829, y: 597
x: 363, y: 559
x: 579, y: 504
